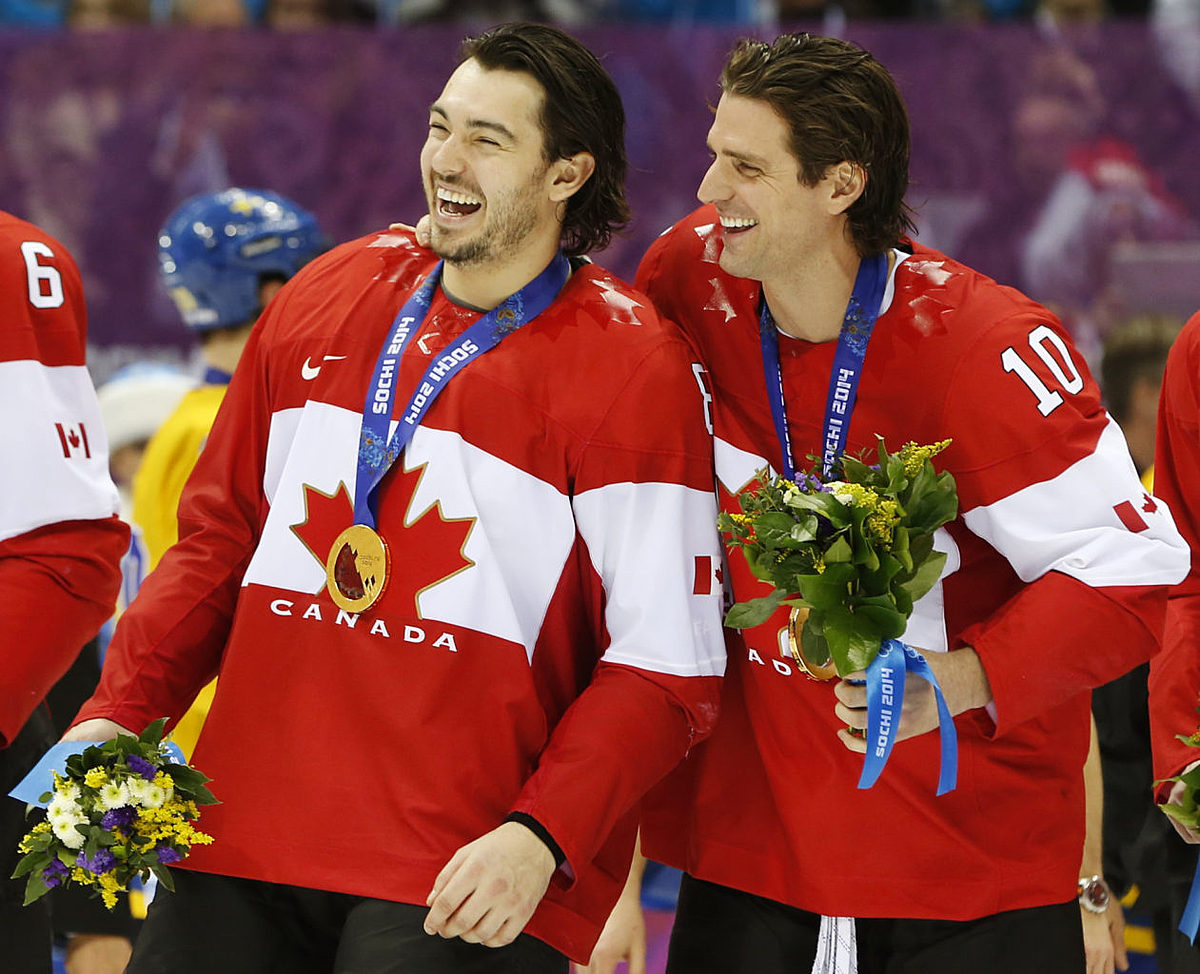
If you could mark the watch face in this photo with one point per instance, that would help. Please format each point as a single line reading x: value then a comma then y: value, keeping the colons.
x: 1096, y: 894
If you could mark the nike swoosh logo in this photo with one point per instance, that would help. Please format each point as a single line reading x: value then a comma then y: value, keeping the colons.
x: 310, y: 371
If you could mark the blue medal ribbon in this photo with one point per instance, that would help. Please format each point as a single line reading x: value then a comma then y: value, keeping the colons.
x: 895, y: 660
x: 376, y: 450
x: 885, y: 696
x: 861, y: 313
x: 1189, y: 923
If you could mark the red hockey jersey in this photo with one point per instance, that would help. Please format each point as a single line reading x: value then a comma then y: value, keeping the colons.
x: 60, y: 540
x: 550, y: 639
x: 1175, y: 672
x: 1056, y: 573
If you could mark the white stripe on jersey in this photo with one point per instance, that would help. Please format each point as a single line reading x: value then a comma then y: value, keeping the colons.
x: 1070, y: 524
x: 926, y: 629
x: 735, y: 467
x: 519, y: 542
x: 522, y: 535
x: 53, y: 472
x: 643, y: 540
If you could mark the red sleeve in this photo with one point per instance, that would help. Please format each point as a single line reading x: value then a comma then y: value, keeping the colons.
x: 645, y: 509
x: 1044, y: 477
x: 169, y: 643
x: 60, y: 584
x: 1175, y: 672
x: 615, y: 742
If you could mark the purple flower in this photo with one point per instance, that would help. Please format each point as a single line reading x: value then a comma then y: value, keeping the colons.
x: 54, y: 873
x: 102, y: 862
x: 141, y: 766
x: 118, y: 818
x: 167, y: 855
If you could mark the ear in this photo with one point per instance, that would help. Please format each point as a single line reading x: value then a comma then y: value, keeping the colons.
x: 846, y: 180
x: 569, y: 174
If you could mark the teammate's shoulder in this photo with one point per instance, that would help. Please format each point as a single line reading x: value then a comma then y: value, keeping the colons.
x: 698, y: 233
x: 934, y: 285
x: 393, y: 248
x: 612, y: 300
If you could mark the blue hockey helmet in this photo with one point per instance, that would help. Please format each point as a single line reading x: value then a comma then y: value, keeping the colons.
x: 215, y: 249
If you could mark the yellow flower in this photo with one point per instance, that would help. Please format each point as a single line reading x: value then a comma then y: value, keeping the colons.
x: 855, y: 495
x: 914, y: 456
x: 26, y: 844
x: 95, y: 777
x: 883, y: 520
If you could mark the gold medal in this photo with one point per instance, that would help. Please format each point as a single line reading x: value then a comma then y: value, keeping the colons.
x: 357, y: 568
x: 814, y: 671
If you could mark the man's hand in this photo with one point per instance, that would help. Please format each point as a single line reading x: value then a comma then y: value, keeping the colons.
x: 96, y: 729
x: 97, y: 953
x: 421, y: 230
x: 1178, y: 790
x: 1104, y: 939
x: 960, y: 675
x: 624, y: 935
x: 490, y: 887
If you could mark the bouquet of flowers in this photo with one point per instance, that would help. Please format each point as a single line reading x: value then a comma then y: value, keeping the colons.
x: 854, y: 548
x: 122, y: 809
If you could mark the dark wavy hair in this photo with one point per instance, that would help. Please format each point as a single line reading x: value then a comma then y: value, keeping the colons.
x: 581, y: 112
x: 839, y: 104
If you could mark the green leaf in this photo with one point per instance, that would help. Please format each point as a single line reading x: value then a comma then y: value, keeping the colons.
x: 926, y: 575
x: 813, y: 644
x: 747, y: 615
x: 805, y: 529
x: 31, y: 860
x: 884, y: 620
x: 839, y: 551
x: 774, y: 529
x: 900, y: 547
x: 164, y: 875
x: 35, y: 888
x: 851, y: 647
x: 153, y: 734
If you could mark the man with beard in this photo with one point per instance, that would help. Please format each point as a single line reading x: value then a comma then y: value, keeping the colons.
x: 463, y: 597
x: 825, y: 325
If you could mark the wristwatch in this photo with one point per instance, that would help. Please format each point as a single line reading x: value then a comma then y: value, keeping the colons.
x: 1094, y: 894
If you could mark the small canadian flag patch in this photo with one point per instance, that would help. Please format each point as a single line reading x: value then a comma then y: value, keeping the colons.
x: 74, y: 440
x: 1130, y: 517
x: 708, y: 576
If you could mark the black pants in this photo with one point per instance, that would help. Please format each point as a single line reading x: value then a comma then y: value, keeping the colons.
x: 724, y: 931
x: 24, y: 930
x: 220, y: 925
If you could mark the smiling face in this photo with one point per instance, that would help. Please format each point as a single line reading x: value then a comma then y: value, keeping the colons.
x: 771, y: 222
x: 487, y: 181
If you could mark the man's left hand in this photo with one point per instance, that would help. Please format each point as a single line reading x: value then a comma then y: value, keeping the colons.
x: 960, y: 675
x: 490, y: 887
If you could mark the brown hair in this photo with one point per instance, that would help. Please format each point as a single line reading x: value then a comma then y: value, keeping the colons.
x: 839, y: 104
x: 581, y: 112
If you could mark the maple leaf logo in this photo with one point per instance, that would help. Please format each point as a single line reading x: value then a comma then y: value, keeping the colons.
x: 427, y: 548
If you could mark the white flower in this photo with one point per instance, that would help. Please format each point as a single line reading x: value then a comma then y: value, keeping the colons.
x: 155, y: 796
x: 64, y: 805
x: 63, y: 824
x: 842, y: 495
x: 139, y: 789
x: 113, y: 795
x: 66, y: 789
